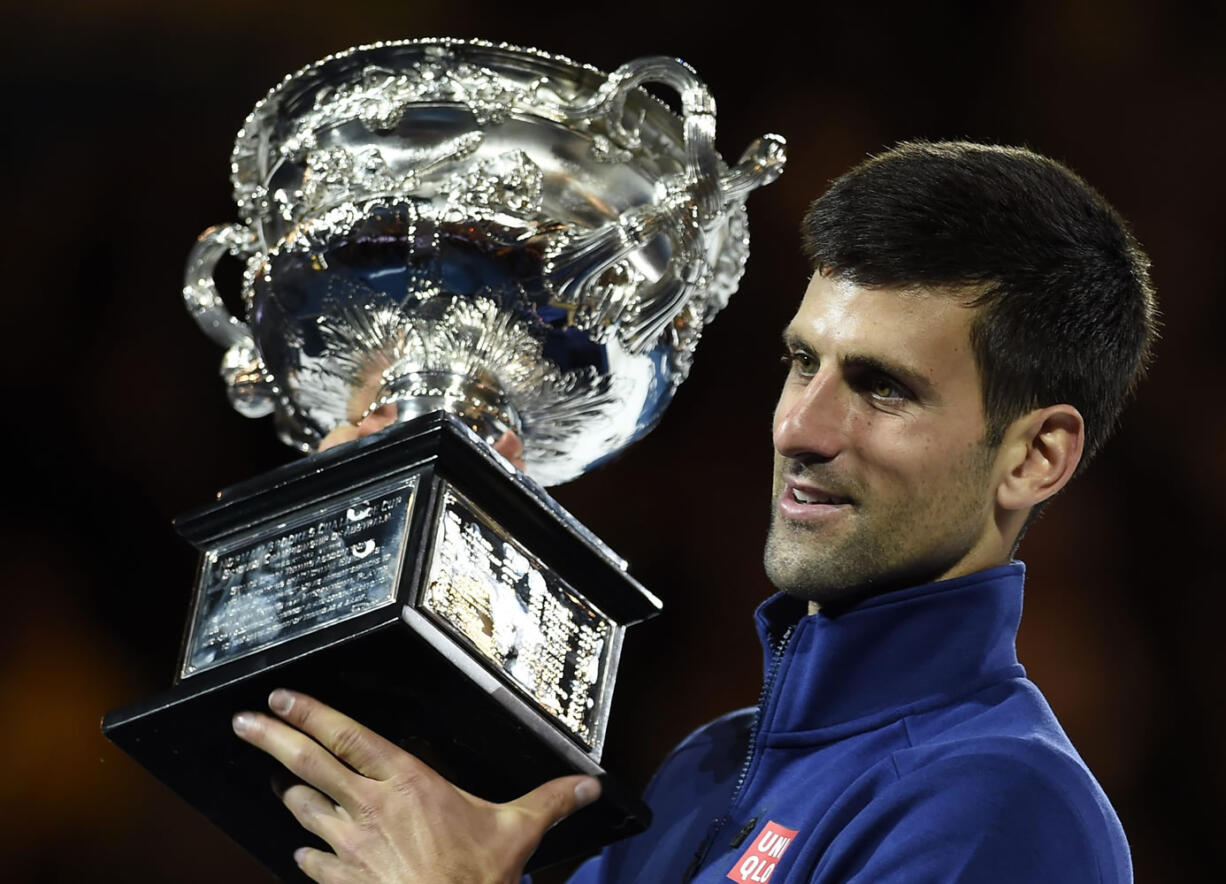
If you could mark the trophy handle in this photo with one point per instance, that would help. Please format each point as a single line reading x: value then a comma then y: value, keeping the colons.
x: 698, y: 112
x: 578, y: 262
x: 247, y: 383
x: 690, y: 217
x: 199, y: 290
x: 760, y: 164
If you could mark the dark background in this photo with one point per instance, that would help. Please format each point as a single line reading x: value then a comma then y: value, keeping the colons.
x: 118, y: 121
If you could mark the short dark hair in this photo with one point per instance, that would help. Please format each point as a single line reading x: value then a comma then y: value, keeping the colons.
x: 1067, y: 309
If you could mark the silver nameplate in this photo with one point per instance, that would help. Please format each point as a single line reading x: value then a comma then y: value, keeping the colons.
x: 516, y: 613
x: 281, y: 581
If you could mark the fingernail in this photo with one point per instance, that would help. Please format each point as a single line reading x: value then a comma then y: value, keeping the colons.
x: 281, y: 701
x: 586, y: 791
x: 300, y: 855
x: 243, y: 723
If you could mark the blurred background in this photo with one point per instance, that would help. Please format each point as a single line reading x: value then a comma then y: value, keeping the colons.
x: 118, y: 122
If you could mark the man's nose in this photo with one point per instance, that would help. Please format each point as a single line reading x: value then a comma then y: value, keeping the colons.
x: 812, y: 422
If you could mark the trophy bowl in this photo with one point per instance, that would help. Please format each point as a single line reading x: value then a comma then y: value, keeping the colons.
x: 491, y: 231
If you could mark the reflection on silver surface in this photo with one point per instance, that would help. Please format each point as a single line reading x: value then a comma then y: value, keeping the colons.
x: 522, y: 618
x: 277, y: 582
x: 520, y: 240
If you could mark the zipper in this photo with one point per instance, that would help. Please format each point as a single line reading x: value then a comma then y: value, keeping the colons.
x: 717, y: 826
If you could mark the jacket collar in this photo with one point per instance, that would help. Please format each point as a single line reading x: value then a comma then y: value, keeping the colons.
x: 890, y: 655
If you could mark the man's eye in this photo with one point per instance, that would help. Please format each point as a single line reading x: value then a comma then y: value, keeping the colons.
x: 884, y: 388
x: 801, y: 362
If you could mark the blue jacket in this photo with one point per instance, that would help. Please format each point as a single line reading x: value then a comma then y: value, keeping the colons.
x: 897, y: 742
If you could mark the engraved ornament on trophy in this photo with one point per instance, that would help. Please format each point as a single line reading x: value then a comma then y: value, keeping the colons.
x: 481, y: 238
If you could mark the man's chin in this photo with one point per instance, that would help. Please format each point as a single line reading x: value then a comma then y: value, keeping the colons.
x: 818, y: 589
x: 834, y: 580
x: 801, y: 576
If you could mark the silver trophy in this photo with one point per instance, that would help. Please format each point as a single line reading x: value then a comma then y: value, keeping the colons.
x: 484, y: 238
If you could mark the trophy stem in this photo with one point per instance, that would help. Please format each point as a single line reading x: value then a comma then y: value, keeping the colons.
x: 480, y: 403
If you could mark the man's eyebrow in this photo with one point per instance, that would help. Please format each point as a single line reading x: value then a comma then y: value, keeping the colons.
x: 917, y: 381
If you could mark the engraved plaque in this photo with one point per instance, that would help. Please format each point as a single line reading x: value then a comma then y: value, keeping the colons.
x: 323, y: 567
x: 536, y: 629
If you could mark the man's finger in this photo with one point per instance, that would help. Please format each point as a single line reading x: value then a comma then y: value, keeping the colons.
x: 510, y: 446
x: 557, y: 799
x: 301, y: 755
x: 343, y: 433
x: 381, y: 417
x: 315, y: 812
x: 358, y: 746
x: 320, y: 866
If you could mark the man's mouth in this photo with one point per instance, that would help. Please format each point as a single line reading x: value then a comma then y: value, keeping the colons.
x: 808, y: 503
x: 812, y: 496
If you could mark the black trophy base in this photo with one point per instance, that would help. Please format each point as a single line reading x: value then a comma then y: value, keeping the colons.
x: 389, y: 667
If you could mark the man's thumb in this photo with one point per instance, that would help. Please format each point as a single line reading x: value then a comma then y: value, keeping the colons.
x: 558, y: 799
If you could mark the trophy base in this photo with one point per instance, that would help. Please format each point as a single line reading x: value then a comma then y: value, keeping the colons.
x: 394, y: 665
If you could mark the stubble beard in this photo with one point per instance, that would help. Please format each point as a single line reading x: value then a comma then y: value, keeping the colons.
x: 881, y: 547
x: 806, y: 562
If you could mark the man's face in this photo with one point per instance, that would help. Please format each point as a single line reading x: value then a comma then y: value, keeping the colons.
x: 882, y: 476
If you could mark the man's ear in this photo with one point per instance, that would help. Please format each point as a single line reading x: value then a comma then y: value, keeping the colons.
x: 1042, y: 449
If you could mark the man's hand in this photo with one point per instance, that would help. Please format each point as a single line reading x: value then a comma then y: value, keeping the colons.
x: 508, y: 445
x: 381, y: 417
x: 389, y: 817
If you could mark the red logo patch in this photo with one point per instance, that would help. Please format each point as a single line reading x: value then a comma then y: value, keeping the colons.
x: 757, y: 864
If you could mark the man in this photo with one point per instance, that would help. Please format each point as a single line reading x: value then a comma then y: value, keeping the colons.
x: 976, y: 320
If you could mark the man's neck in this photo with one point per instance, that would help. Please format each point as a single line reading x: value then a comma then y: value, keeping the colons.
x: 962, y: 569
